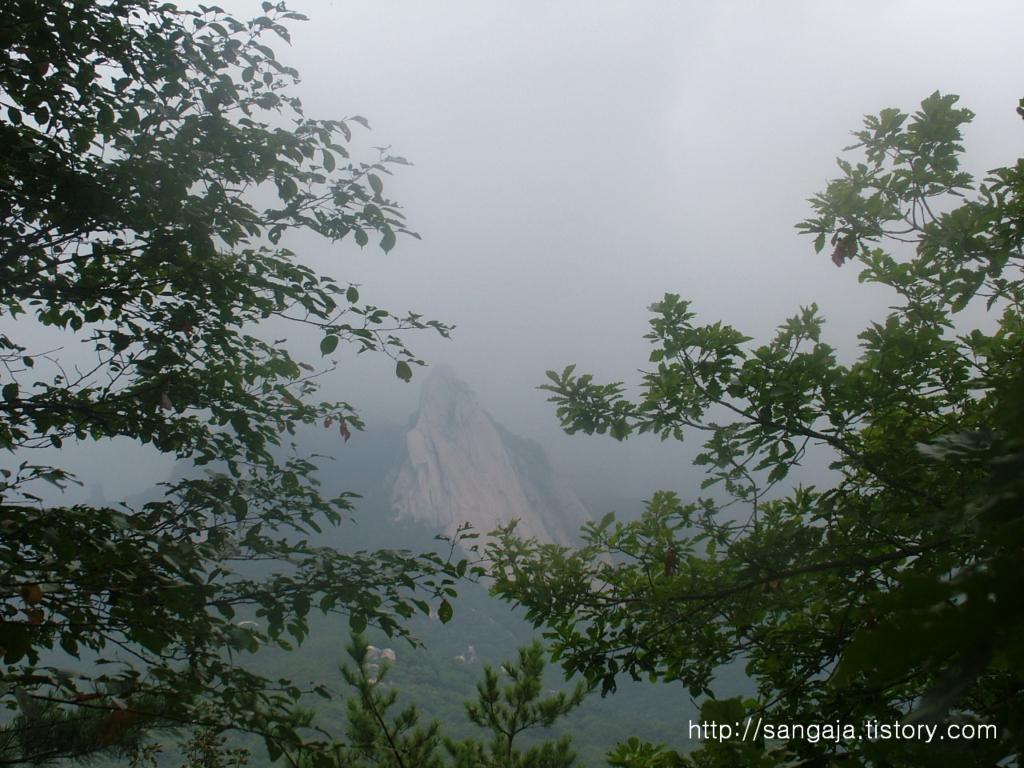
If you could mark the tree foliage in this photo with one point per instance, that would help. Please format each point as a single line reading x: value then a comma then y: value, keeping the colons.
x: 376, y: 737
x: 154, y: 163
x: 890, y: 592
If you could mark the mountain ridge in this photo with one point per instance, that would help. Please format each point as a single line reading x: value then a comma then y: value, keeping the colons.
x: 461, y: 465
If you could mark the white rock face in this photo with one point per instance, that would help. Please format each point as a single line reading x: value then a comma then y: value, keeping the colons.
x: 463, y: 467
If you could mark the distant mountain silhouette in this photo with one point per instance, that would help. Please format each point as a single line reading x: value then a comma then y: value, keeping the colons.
x: 459, y: 466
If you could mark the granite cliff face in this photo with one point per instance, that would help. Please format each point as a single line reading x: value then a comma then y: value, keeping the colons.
x: 461, y: 466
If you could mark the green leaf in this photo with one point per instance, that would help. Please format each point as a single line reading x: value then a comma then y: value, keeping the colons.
x: 328, y: 344
x: 53, y: 478
x: 11, y: 391
x: 445, y: 612
x: 288, y: 188
x: 403, y: 371
x: 209, y: 101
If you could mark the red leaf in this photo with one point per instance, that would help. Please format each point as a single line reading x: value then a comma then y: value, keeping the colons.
x: 113, y: 724
x: 671, y: 560
x: 32, y: 594
x: 845, y: 249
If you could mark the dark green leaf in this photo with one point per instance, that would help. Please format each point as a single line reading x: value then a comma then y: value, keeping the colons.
x: 445, y: 612
x: 328, y: 344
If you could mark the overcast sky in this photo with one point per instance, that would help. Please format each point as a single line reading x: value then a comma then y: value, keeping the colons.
x: 576, y: 160
x: 573, y: 161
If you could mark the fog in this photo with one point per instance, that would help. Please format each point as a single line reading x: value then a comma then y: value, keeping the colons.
x: 574, y: 161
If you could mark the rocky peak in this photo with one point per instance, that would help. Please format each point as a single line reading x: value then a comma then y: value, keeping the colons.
x: 461, y: 466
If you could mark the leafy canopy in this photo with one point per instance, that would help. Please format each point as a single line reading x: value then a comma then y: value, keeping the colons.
x: 891, y: 591
x: 154, y: 165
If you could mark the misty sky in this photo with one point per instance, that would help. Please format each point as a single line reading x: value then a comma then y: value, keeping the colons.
x: 576, y: 160
x: 573, y: 161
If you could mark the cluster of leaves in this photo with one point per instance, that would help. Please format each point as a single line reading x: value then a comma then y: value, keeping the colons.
x: 139, y: 141
x: 205, y: 748
x: 507, y: 710
x: 895, y: 592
